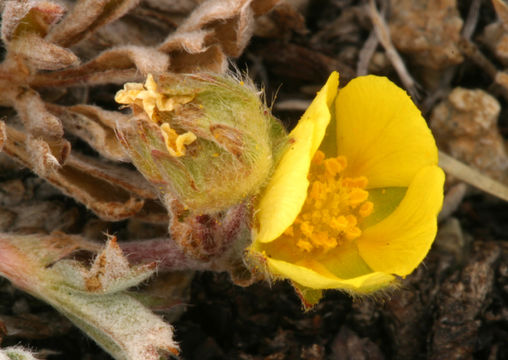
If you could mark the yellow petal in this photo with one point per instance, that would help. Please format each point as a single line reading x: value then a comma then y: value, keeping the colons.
x: 385, y: 201
x: 400, y: 242
x: 318, y: 112
x: 345, y: 261
x: 316, y: 280
x: 382, y: 133
x: 285, y: 194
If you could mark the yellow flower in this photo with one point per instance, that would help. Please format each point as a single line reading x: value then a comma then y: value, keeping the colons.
x: 354, y: 207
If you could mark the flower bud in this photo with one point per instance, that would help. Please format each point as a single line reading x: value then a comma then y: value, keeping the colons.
x: 206, y: 140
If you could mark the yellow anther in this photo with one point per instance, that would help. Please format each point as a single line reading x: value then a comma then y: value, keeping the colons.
x: 175, y: 143
x: 339, y: 223
x: 317, y: 189
x: 306, y: 229
x: 357, y: 196
x: 315, y: 216
x: 366, y: 209
x: 318, y: 158
x: 334, y: 207
x: 334, y: 166
x: 353, y: 233
x: 360, y: 182
x: 305, y: 245
x: 352, y: 221
x: 321, y: 239
x: 325, y: 216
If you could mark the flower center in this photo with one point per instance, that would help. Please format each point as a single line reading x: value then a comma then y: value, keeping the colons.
x: 334, y: 207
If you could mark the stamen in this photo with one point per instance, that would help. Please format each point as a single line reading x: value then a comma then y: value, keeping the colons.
x: 318, y: 158
x: 305, y: 245
x: 357, y: 196
x: 366, y: 209
x: 175, y: 143
x: 333, y: 209
x: 150, y: 99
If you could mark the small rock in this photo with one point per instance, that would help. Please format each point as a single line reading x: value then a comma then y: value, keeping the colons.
x: 465, y: 126
x: 427, y: 31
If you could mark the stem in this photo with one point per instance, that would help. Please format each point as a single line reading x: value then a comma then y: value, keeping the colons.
x: 472, y: 176
x: 168, y: 255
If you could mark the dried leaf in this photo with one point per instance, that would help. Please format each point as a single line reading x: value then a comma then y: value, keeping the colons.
x: 213, y: 60
x: 116, y: 175
x: 41, y: 54
x: 213, y: 30
x: 191, y: 42
x: 42, y: 160
x: 231, y: 21
x: 25, y: 23
x: 105, y: 198
x: 86, y: 17
x: 29, y: 16
x: 93, y: 125
x: 112, y: 66
x: 3, y: 134
x: 182, y: 6
x: 501, y: 9
x: 36, y: 119
x: 261, y: 7
x: 145, y: 59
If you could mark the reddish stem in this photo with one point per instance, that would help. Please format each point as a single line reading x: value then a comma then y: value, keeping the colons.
x: 168, y: 255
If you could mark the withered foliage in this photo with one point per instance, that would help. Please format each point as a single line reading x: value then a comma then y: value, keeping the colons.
x: 56, y: 51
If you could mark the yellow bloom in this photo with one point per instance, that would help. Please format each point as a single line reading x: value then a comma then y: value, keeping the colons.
x: 354, y: 207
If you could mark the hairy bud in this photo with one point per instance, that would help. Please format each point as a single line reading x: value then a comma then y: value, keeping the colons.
x: 206, y: 140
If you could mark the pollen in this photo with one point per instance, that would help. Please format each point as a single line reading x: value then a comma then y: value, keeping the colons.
x: 334, y: 209
x: 150, y: 98
x: 176, y: 143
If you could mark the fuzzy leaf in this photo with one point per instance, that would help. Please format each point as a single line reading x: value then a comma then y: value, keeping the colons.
x: 16, y: 353
x: 3, y: 134
x: 110, y: 272
x: 112, y: 196
x: 86, y: 17
x: 41, y: 54
x: 36, y: 118
x: 29, y: 16
x: 117, y: 65
x: 93, y: 125
x: 115, y: 320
